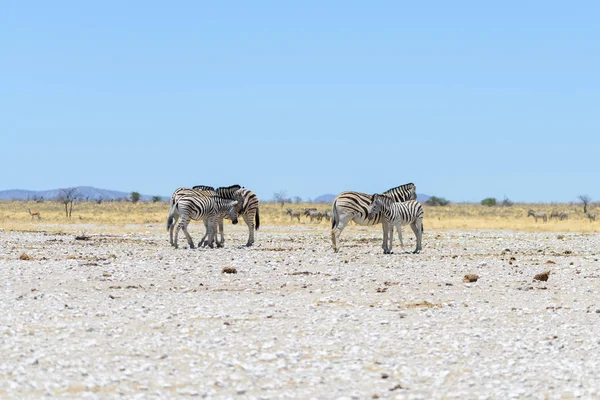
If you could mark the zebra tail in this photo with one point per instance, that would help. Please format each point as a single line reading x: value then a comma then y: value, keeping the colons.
x: 256, y: 220
x: 335, y: 218
x: 171, y: 216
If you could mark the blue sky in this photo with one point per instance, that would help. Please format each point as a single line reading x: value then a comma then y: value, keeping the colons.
x: 465, y: 99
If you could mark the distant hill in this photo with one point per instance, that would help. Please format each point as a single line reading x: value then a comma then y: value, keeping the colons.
x: 328, y: 198
x: 83, y: 192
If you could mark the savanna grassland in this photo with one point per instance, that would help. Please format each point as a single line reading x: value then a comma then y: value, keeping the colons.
x: 123, y: 215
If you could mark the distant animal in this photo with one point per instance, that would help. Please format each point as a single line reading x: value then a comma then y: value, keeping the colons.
x: 538, y: 215
x: 397, y: 214
x: 34, y: 214
x: 293, y: 214
x: 560, y: 215
x: 354, y: 206
x: 327, y: 215
x: 313, y: 214
x: 591, y: 217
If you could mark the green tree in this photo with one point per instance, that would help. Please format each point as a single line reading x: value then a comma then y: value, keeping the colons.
x: 437, y: 201
x: 488, y: 201
x: 135, y: 197
x: 156, y: 199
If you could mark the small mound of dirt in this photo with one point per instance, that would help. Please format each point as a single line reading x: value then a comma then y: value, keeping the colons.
x: 25, y: 257
x: 229, y: 270
x: 470, y: 278
x: 542, y: 277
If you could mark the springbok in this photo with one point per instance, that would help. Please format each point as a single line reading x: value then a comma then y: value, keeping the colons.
x: 34, y: 214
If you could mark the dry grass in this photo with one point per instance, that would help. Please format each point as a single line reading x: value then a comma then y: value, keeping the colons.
x: 117, y: 216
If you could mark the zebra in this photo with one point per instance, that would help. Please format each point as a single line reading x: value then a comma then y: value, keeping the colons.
x: 538, y: 215
x: 327, y: 215
x: 354, y: 206
x: 591, y: 217
x: 200, y: 190
x: 398, y: 214
x: 293, y: 214
x: 313, y: 214
x: 199, y: 205
x: 247, y: 207
x: 554, y: 214
x: 563, y: 215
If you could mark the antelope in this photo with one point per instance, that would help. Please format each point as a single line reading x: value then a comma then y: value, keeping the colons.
x: 34, y: 214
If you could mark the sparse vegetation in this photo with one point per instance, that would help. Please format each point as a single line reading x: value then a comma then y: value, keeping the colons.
x: 156, y: 199
x: 68, y: 197
x: 135, y: 197
x: 489, y: 202
x: 437, y: 201
x: 585, y: 199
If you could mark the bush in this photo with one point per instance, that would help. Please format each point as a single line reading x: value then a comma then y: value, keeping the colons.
x: 490, y: 202
x: 437, y: 201
x: 135, y: 197
x: 156, y: 199
x: 506, y: 202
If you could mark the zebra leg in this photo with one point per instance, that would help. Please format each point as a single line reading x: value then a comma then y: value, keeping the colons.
x: 221, y: 243
x: 175, y: 219
x: 384, y: 244
x: 399, y: 227
x: 202, y: 241
x: 417, y: 228
x: 184, y: 224
x: 249, y: 220
x: 337, y: 231
x: 390, y: 238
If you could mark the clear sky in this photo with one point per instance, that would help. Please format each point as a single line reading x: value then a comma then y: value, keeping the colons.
x: 467, y: 99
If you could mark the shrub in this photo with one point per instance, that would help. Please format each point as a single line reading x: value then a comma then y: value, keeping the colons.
x: 135, y: 197
x: 156, y: 199
x: 506, y: 202
x: 437, y: 201
x: 489, y: 201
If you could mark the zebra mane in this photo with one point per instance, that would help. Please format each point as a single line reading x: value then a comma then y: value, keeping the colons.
x: 228, y: 192
x: 406, y: 187
x: 403, y: 192
x: 383, y: 198
x: 203, y: 187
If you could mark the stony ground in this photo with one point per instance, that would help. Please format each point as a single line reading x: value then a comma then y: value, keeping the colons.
x: 125, y: 315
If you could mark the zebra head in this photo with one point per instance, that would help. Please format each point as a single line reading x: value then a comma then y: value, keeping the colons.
x: 232, y: 211
x: 531, y: 213
x: 288, y: 211
x: 376, y: 206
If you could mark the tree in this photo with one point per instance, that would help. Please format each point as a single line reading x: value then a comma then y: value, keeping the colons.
x: 437, y: 201
x: 135, y: 197
x: 68, y: 197
x: 585, y: 199
x: 489, y: 201
x: 281, y: 197
x: 297, y: 199
x: 156, y: 199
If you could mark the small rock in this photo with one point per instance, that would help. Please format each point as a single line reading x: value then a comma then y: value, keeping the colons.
x: 471, y: 278
x: 542, y: 277
x: 25, y: 257
x: 229, y: 270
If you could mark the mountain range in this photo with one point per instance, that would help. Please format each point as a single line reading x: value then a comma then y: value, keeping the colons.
x: 92, y: 193
x: 83, y: 192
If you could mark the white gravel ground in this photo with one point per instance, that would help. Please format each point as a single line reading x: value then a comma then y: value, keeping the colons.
x: 127, y: 316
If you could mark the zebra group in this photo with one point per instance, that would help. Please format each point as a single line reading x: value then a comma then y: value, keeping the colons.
x: 310, y: 213
x: 393, y: 208
x: 559, y: 215
x: 212, y: 206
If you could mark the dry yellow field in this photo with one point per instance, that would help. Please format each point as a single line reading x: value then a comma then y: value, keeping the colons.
x: 118, y: 215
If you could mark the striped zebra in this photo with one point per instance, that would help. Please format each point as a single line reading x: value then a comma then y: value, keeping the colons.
x: 354, y: 206
x: 247, y: 207
x: 293, y: 214
x: 397, y: 214
x: 177, y: 194
x: 198, y: 205
x: 538, y: 215
x: 591, y: 217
